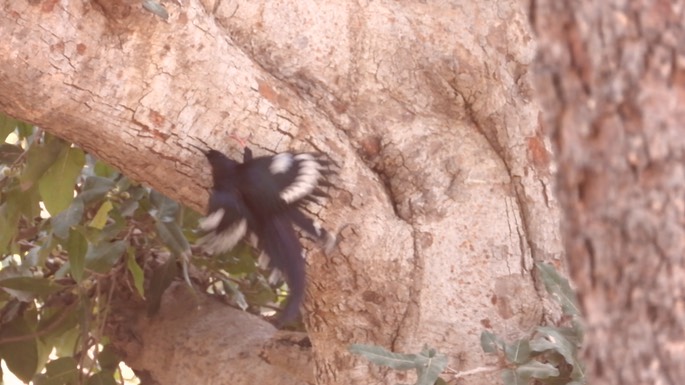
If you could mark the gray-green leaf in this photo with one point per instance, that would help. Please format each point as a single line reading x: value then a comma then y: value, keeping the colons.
x: 163, y: 209
x: 62, y: 222
x: 559, y: 288
x: 518, y: 352
x: 558, y: 343
x: 537, y: 369
x: 381, y: 356
x: 430, y: 368
x: 156, y: 8
x: 489, y: 342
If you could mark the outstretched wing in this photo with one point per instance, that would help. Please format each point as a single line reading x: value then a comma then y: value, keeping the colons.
x: 273, y: 183
x: 226, y: 222
x: 313, y: 229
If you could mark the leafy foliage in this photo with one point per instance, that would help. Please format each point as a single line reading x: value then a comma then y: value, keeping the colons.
x: 76, y: 239
x: 428, y: 363
x: 550, y: 355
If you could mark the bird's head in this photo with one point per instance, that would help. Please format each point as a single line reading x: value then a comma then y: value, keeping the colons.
x: 223, y: 167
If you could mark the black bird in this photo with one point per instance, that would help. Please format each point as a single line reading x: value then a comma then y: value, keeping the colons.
x: 264, y: 196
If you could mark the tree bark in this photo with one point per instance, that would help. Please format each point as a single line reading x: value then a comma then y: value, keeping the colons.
x: 611, y: 76
x: 444, y: 175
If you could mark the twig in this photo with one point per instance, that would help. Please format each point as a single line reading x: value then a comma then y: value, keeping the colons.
x: 482, y: 369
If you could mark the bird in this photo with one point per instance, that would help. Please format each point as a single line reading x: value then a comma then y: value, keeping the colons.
x: 265, y: 196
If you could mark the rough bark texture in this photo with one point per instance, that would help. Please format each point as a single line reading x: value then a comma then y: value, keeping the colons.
x: 182, y: 337
x: 611, y: 75
x: 427, y: 108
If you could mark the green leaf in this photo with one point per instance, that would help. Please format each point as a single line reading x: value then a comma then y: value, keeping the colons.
x: 39, y: 159
x: 101, y: 257
x: 13, y: 272
x: 104, y: 170
x: 105, y: 377
x: 100, y: 219
x: 9, y: 152
x: 57, y: 184
x: 61, y: 371
x: 43, y: 354
x: 541, y: 345
x: 232, y: 289
x: 511, y: 377
x: 163, y: 209
x: 518, y: 352
x: 431, y: 366
x: 9, y: 218
x: 578, y: 372
x: 27, y: 202
x: 39, y: 254
x: 7, y: 126
x: 383, y: 357
x: 536, y: 369
x: 77, y: 245
x: 136, y: 272
x: 25, y: 130
x: 490, y: 343
x: 41, y: 287
x: 108, y: 358
x: 129, y: 206
x: 65, y: 342
x: 559, y: 343
x: 20, y: 355
x: 95, y: 188
x: 159, y: 282
x: 111, y: 231
x: 156, y: 8
x: 574, y: 333
x: 56, y: 319
x: 559, y: 288
x: 172, y: 236
x: 62, y: 222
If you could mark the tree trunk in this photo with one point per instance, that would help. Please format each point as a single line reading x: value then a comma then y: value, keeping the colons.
x: 611, y: 75
x: 444, y: 176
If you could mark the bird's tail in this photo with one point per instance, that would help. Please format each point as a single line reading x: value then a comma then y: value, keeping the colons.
x: 281, y: 245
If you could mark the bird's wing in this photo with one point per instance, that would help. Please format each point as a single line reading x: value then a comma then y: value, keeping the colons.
x: 274, y: 182
x: 313, y: 228
x: 226, y: 223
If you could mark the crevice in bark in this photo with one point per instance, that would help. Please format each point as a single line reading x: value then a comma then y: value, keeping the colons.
x: 523, y: 229
x: 499, y: 149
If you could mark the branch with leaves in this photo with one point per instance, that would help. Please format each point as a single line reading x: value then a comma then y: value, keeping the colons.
x: 549, y: 356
